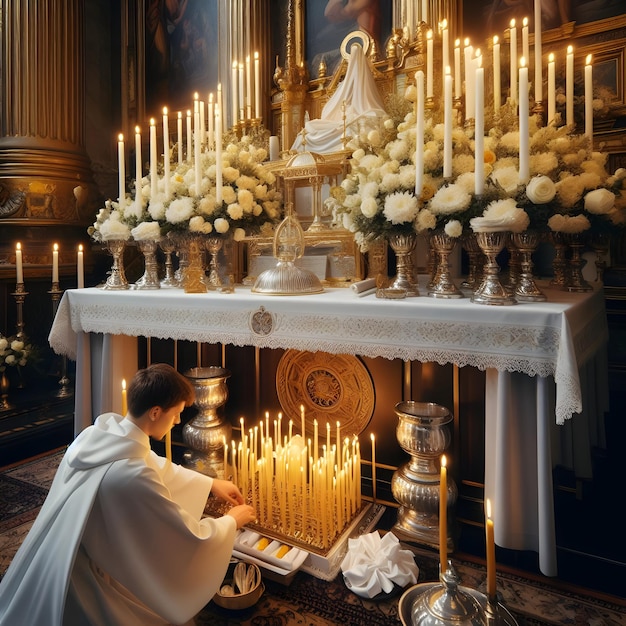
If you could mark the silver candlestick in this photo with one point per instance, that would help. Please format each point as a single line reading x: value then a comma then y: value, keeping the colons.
x: 64, y: 382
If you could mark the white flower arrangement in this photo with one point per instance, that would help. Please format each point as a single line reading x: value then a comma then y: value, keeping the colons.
x: 14, y: 352
x: 250, y: 200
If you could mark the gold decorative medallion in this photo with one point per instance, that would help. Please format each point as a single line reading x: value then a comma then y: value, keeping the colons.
x: 331, y: 387
x: 261, y: 322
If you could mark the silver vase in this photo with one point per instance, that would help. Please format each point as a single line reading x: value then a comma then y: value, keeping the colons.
x: 442, y: 285
x: 526, y: 289
x: 491, y: 290
x: 117, y: 275
x: 577, y: 282
x: 206, y: 432
x: 214, y: 245
x: 150, y: 277
x: 168, y: 246
x: 423, y: 432
x: 403, y: 244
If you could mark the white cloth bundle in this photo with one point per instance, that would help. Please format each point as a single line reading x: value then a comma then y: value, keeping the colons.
x: 373, y: 564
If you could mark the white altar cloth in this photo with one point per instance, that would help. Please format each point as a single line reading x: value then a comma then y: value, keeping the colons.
x: 522, y: 347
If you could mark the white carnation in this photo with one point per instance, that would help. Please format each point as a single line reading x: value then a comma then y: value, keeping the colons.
x: 450, y: 199
x: 401, y: 207
x: 453, y: 228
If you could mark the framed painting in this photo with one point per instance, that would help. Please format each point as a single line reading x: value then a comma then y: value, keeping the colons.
x: 328, y: 23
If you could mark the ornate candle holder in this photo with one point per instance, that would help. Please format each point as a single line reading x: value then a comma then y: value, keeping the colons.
x: 442, y: 284
x: 117, y: 277
x: 19, y: 294
x: 214, y: 245
x: 64, y: 381
x: 168, y: 246
x: 491, y: 290
x: 150, y: 277
x: 577, y: 282
x: 403, y: 244
x: 526, y: 289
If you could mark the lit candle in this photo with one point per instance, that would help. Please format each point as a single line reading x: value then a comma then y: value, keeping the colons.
x: 447, y: 125
x: 443, y: 516
x: 496, y: 75
x: 196, y: 150
x: 211, y: 121
x: 18, y: 263
x: 168, y: 445
x: 457, y: 69
x: 248, y: 88
x: 124, y: 402
x: 121, y: 160
x: 589, y: 99
x: 138, y: 168
x: 315, y: 441
x: 551, y: 88
x: 302, y: 422
x: 233, y: 91
x: 569, y: 86
x: 513, y: 58
x: 166, y: 152
x: 242, y: 101
x: 429, y: 64
x: 479, y: 132
x: 525, y: 45
x: 445, y: 45
x: 189, y: 135
x: 419, y: 138
x: 196, y: 103
x: 153, y: 160
x: 491, y: 554
x: 257, y: 87
x: 327, y: 437
x: 338, y: 442
x: 202, y: 124
x: 218, y: 155
x: 524, y: 137
x: 469, y: 82
x: 373, y: 466
x: 55, y: 263
x: 538, y: 62
x: 80, y: 268
x: 179, y: 134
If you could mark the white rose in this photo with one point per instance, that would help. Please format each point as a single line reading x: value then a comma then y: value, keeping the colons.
x: 599, y: 201
x: 221, y: 225
x: 369, y: 207
x: 540, y: 190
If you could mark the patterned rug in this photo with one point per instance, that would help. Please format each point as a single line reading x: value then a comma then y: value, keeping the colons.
x: 308, y: 601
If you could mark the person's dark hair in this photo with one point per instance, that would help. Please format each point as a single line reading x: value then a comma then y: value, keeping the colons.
x: 158, y: 385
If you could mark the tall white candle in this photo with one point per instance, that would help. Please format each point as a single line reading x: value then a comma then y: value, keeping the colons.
x: 80, y: 268
x: 202, y: 123
x: 445, y: 45
x: 424, y: 16
x: 242, y: 100
x: 513, y: 59
x: 166, y: 152
x: 525, y: 44
x: 274, y: 149
x: 179, y: 135
x: 211, y: 121
x: 189, y: 136
x: 248, y: 88
x: 551, y: 88
x: 218, y: 155
x: 457, y: 69
x: 257, y: 86
x: 153, y: 159
x: 524, y: 137
x: 138, y: 168
x: 429, y: 64
x: 55, y: 263
x: 538, y: 53
x: 219, y: 101
x: 19, y: 270
x: 479, y: 132
x: 447, y: 125
x: 233, y: 92
x: 469, y: 95
x: 589, y: 99
x: 569, y: 86
x: 419, y: 136
x: 196, y: 150
x: 121, y: 159
x: 496, y: 75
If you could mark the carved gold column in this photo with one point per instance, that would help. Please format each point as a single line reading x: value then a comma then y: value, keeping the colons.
x: 45, y: 174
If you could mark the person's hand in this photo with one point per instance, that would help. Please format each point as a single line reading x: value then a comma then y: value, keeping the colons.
x: 243, y: 514
x: 226, y: 490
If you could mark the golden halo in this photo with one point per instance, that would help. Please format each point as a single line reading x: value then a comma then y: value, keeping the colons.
x: 348, y: 40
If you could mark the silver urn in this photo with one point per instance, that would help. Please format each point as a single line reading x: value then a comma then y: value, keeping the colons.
x: 423, y: 432
x: 206, y: 432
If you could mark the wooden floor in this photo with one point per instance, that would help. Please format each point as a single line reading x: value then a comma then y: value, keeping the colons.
x: 590, y: 538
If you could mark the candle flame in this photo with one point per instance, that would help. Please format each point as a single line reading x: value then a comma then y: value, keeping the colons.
x: 551, y: 57
x: 55, y: 247
x: 457, y: 43
x: 372, y: 437
x: 256, y: 56
x: 180, y: 115
x: 447, y: 70
x: 123, y: 383
x: 444, y: 24
x: 488, y: 508
x: 570, y: 49
x: 164, y: 110
x: 235, y: 65
x: 522, y: 62
x: 588, y: 60
x: 80, y: 247
x: 188, y: 112
x: 120, y: 137
x: 137, y: 130
x: 18, y: 246
x: 478, y: 53
x: 429, y: 34
x: 512, y: 24
x: 195, y: 95
x: 525, y: 21
x: 152, y: 122
x: 466, y: 42
x: 443, y: 460
x: 211, y: 97
x: 495, y: 39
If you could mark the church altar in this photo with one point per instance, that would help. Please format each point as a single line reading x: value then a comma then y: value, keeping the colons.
x: 545, y: 362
